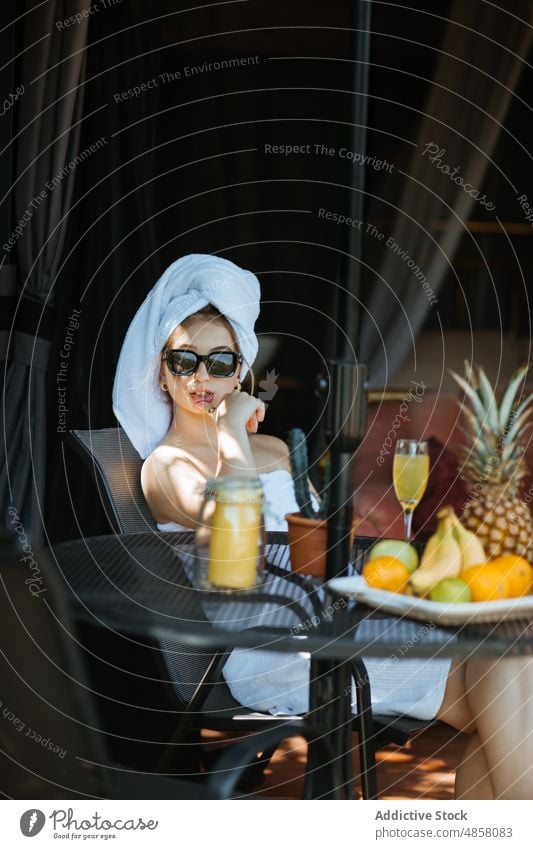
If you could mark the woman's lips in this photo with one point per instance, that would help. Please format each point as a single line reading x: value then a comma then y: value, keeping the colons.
x: 202, y: 399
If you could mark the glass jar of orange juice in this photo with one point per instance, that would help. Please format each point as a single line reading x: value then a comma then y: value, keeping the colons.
x: 230, y: 538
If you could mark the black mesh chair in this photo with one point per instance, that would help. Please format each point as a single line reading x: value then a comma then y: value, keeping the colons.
x: 116, y: 468
x: 51, y: 742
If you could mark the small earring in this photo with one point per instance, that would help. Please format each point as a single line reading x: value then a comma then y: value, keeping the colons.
x: 164, y: 387
x: 238, y: 387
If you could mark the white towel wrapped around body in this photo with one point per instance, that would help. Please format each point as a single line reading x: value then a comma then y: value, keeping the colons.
x: 188, y: 285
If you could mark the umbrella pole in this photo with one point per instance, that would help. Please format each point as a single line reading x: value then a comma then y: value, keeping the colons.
x: 346, y: 402
x: 346, y: 405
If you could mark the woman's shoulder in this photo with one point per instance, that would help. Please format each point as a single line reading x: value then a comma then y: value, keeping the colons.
x: 169, y: 460
x: 165, y: 454
x: 269, y: 452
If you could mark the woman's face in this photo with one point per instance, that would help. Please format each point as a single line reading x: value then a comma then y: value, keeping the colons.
x: 200, y: 391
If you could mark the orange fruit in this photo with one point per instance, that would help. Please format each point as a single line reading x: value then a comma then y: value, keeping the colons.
x: 487, y: 582
x: 518, y: 571
x: 386, y: 573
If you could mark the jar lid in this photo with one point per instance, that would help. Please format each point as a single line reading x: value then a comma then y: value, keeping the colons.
x: 234, y: 488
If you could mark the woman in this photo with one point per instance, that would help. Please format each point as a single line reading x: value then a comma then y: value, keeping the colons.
x: 178, y: 396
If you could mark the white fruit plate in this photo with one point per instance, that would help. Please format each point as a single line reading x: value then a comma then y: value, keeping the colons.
x: 357, y: 589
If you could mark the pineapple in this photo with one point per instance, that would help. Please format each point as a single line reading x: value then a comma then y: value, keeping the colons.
x: 493, y: 464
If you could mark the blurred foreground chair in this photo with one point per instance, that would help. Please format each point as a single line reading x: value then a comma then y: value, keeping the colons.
x: 51, y: 742
x: 116, y: 468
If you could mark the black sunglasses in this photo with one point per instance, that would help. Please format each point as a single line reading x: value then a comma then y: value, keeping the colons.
x: 182, y: 362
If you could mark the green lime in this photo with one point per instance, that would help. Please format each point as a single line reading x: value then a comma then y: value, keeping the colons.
x: 397, y: 548
x: 451, y: 591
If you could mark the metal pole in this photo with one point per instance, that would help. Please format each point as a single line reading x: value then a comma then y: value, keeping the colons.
x: 346, y: 405
x: 345, y: 419
x: 350, y: 267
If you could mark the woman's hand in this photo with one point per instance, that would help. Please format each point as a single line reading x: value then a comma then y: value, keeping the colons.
x: 240, y: 409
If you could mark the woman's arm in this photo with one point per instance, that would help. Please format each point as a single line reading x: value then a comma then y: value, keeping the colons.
x: 173, y: 487
x: 234, y: 451
x: 235, y: 416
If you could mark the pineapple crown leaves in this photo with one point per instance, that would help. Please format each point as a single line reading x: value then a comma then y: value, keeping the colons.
x: 509, y: 396
x: 486, y: 393
x: 477, y: 415
x: 520, y: 424
x: 298, y: 457
x: 485, y: 414
x: 494, y: 432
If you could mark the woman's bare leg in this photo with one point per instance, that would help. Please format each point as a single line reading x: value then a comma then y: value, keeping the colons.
x: 455, y: 708
x: 500, y: 696
x: 472, y: 780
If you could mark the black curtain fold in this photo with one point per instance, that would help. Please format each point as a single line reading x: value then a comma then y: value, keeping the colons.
x: 52, y: 68
x: 110, y: 262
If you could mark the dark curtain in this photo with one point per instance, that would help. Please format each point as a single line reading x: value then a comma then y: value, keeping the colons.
x: 111, y: 261
x: 479, y: 67
x: 46, y: 146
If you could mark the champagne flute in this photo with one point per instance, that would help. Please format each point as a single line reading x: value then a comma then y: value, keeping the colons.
x: 410, y: 473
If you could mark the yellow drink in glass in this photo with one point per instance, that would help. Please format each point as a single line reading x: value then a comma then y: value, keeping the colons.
x: 410, y: 475
x: 229, y: 545
x: 233, y: 547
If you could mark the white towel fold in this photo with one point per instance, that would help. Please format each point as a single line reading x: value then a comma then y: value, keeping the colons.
x: 189, y: 284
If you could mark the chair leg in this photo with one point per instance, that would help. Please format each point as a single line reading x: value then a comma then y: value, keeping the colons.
x: 187, y: 719
x: 255, y: 774
x: 365, y: 729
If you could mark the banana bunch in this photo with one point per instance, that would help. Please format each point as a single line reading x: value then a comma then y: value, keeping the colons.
x: 451, y: 549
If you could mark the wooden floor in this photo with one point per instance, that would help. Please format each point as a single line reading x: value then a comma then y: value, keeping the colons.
x: 424, y: 769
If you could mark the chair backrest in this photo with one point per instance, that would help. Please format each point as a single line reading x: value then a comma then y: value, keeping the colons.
x: 50, y: 747
x: 116, y: 466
